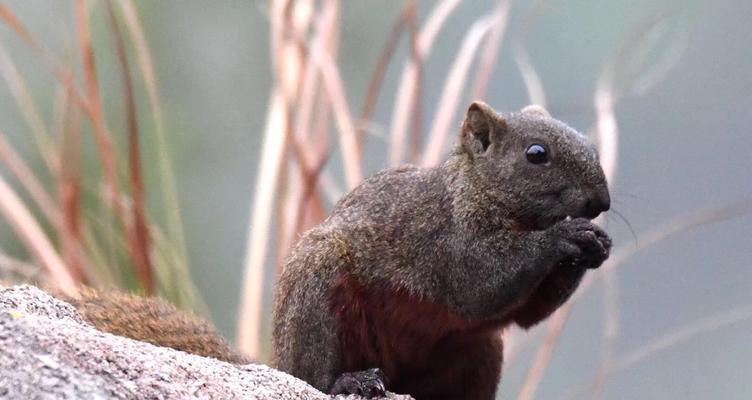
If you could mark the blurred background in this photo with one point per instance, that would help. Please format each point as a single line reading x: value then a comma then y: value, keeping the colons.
x: 257, y: 119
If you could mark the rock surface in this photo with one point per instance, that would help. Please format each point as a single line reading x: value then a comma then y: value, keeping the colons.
x: 48, y: 352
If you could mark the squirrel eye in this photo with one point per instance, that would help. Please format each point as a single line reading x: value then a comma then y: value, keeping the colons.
x: 537, y: 154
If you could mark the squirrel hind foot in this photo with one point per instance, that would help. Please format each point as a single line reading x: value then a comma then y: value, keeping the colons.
x: 369, y: 384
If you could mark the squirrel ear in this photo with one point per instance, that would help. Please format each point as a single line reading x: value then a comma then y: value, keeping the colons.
x: 481, y: 127
x: 535, y: 109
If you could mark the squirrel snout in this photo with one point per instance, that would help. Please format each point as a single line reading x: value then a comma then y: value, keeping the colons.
x: 597, y: 204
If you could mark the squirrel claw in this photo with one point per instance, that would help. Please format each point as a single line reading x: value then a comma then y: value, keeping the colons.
x: 587, y: 244
x: 368, y: 383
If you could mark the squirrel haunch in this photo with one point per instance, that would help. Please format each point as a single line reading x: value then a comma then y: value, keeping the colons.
x: 408, y: 283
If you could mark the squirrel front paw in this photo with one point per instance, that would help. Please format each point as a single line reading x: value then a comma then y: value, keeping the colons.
x: 581, y: 242
x: 368, y: 383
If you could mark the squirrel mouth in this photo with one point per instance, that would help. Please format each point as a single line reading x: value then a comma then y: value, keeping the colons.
x: 549, y: 222
x: 537, y: 224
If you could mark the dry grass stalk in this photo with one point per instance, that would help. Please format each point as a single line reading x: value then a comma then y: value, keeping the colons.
x: 28, y: 180
x: 139, y: 232
x: 312, y: 111
x: 298, y: 85
x: 28, y: 108
x: 69, y: 189
x: 300, y: 184
x: 258, y: 235
x: 61, y: 74
x: 515, y: 340
x: 408, y: 90
x: 490, y: 53
x: 94, y: 104
x: 667, y: 341
x: 607, y: 132
x: 21, y: 220
x: 310, y: 95
x: 15, y: 267
x: 453, y: 87
x: 530, y: 76
x: 681, y: 335
x: 681, y: 224
x: 657, y: 72
x: 170, y: 200
x: 611, y: 318
x: 106, y: 149
x: 385, y: 58
x: 287, y: 61
x: 14, y: 23
x: 313, y: 134
x: 554, y: 328
x: 416, y: 118
x: 311, y: 127
x: 332, y: 81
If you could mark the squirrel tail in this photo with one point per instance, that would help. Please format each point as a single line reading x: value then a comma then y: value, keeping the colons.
x: 154, y: 321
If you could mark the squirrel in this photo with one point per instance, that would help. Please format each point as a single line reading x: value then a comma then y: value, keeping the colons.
x: 407, y: 285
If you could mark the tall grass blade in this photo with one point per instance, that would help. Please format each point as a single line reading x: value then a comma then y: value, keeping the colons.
x: 103, y: 140
x: 489, y: 54
x: 139, y: 226
x: 349, y: 145
x: 453, y: 90
x: 530, y: 76
x: 28, y: 108
x: 667, y: 340
x: 554, y: 328
x: 377, y: 76
x: 258, y: 235
x: 28, y: 180
x: 170, y: 198
x: 407, y: 91
x: 14, y: 23
x: 34, y: 238
x: 69, y: 188
x: 287, y: 61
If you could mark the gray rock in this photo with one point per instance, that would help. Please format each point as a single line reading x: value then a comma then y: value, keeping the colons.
x: 48, y: 352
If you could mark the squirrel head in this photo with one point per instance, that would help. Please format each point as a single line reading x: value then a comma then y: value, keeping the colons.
x: 537, y: 168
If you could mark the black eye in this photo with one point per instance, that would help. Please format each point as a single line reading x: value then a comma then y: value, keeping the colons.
x: 537, y: 154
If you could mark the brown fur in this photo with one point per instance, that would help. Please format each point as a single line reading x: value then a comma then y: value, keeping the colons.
x: 154, y: 321
x: 413, y: 340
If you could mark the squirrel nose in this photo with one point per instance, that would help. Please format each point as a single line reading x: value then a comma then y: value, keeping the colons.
x: 597, y: 204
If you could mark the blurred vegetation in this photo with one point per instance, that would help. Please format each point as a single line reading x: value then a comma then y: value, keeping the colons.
x: 74, y: 188
x: 85, y: 223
